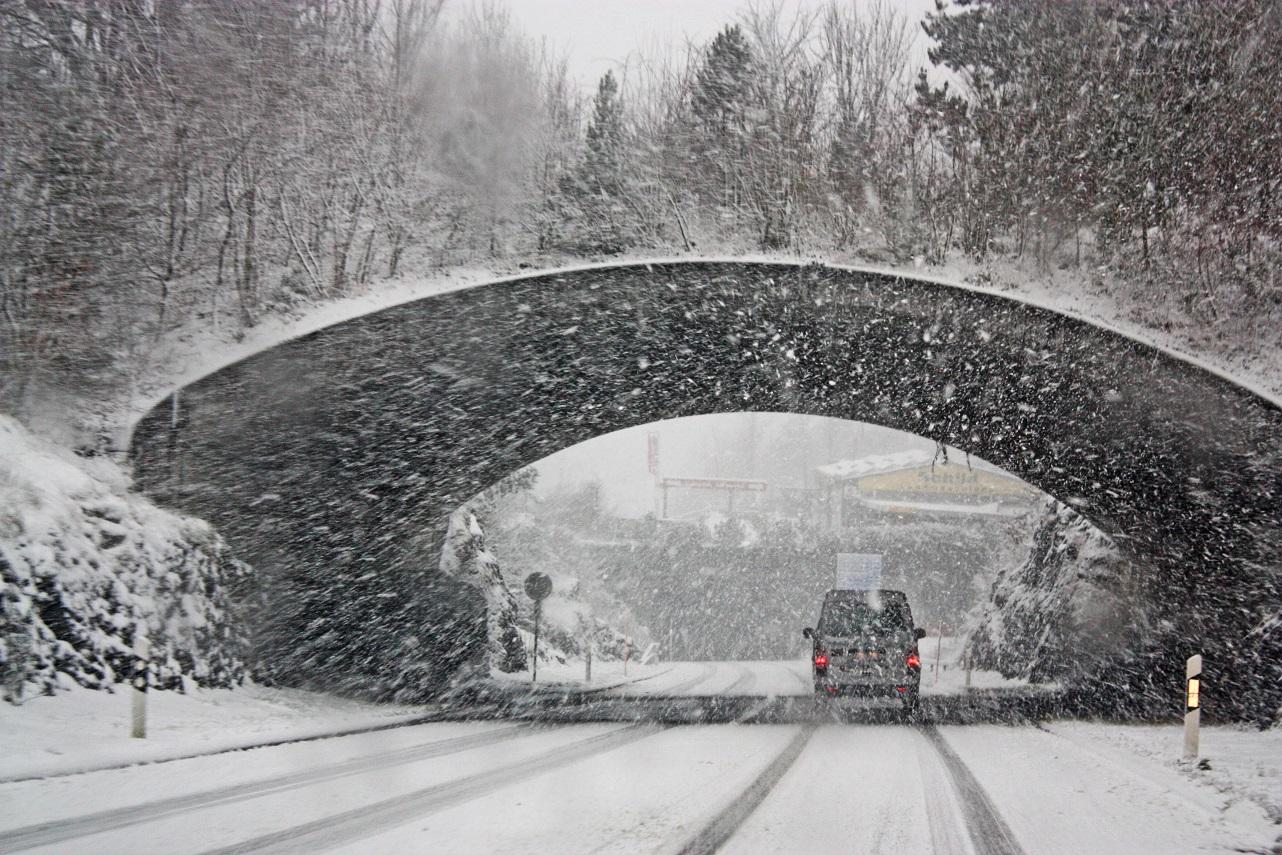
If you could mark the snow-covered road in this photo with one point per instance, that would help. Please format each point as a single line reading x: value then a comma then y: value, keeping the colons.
x: 731, y: 679
x: 745, y: 679
x: 467, y: 787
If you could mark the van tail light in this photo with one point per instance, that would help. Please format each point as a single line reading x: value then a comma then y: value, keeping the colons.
x: 914, y: 661
x: 821, y: 660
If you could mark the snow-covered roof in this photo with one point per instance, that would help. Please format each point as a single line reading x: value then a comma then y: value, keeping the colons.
x: 875, y: 464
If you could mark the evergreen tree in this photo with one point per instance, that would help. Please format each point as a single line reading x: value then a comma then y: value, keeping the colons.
x: 723, y: 85
x: 602, y: 166
x: 596, y: 193
x: 718, y: 108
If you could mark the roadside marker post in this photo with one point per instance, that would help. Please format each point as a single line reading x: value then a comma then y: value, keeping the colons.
x: 537, y: 587
x: 138, y: 703
x: 939, y: 643
x: 1192, y: 705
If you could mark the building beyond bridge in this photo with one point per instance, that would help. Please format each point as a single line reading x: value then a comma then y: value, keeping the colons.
x: 919, y: 484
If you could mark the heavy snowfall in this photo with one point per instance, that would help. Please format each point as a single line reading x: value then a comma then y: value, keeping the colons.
x: 798, y: 426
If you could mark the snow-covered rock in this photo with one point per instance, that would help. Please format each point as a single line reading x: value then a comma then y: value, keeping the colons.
x: 1062, y: 611
x: 464, y: 556
x: 88, y: 569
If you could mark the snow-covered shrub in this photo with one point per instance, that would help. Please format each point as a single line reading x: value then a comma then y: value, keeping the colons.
x: 1069, y: 606
x: 85, y: 565
x: 570, y: 623
x: 569, y: 616
x: 465, y: 557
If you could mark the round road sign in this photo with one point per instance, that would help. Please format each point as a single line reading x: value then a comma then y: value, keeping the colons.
x: 538, y: 586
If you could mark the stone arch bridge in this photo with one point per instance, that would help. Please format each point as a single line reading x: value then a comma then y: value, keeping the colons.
x: 330, y: 461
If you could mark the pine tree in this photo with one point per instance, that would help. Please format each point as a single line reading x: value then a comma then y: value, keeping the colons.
x: 597, y: 190
x: 718, y: 107
x: 602, y: 167
x: 721, y: 89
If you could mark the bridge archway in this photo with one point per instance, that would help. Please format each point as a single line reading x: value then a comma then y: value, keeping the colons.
x: 325, y: 457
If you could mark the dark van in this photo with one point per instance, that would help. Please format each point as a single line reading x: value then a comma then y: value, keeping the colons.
x: 865, y: 645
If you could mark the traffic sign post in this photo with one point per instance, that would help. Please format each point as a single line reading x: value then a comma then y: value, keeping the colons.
x: 1192, y: 705
x: 537, y: 587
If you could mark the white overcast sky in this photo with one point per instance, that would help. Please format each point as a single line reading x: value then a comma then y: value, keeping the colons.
x: 595, y: 35
x: 781, y: 448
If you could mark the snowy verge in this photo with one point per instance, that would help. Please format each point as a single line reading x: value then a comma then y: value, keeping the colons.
x: 943, y: 671
x: 82, y: 730
x: 89, y: 572
x: 1240, y: 764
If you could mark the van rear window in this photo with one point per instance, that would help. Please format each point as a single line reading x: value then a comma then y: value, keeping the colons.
x: 858, y: 618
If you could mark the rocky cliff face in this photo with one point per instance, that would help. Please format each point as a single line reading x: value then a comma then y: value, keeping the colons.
x: 1069, y: 606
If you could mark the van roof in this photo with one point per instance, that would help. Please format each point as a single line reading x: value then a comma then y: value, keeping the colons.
x: 858, y: 594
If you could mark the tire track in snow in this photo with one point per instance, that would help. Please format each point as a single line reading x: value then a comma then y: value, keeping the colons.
x: 723, y: 825
x: 59, y: 831
x: 705, y: 671
x: 988, y: 831
x: 364, y: 821
x: 948, y: 832
x: 622, y: 684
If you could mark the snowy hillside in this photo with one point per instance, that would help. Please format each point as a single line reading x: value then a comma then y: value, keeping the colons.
x: 570, y: 616
x: 85, y: 565
x: 570, y: 621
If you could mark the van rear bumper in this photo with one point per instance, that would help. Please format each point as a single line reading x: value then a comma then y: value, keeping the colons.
x: 867, y: 690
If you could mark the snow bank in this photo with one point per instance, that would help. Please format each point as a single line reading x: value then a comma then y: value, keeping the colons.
x: 85, y: 565
x: 80, y: 730
x: 1239, y: 763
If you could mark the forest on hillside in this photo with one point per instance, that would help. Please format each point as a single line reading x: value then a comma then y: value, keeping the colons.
x: 205, y: 163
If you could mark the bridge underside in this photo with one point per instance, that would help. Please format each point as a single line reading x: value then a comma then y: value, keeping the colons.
x: 331, y: 461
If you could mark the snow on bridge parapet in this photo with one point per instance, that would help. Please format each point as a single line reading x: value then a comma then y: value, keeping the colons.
x: 188, y: 356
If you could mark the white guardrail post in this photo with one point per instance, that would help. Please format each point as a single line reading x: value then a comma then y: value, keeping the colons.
x: 1192, y: 705
x: 141, y: 677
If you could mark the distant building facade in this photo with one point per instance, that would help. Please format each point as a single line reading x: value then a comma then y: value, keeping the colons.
x: 915, y: 485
